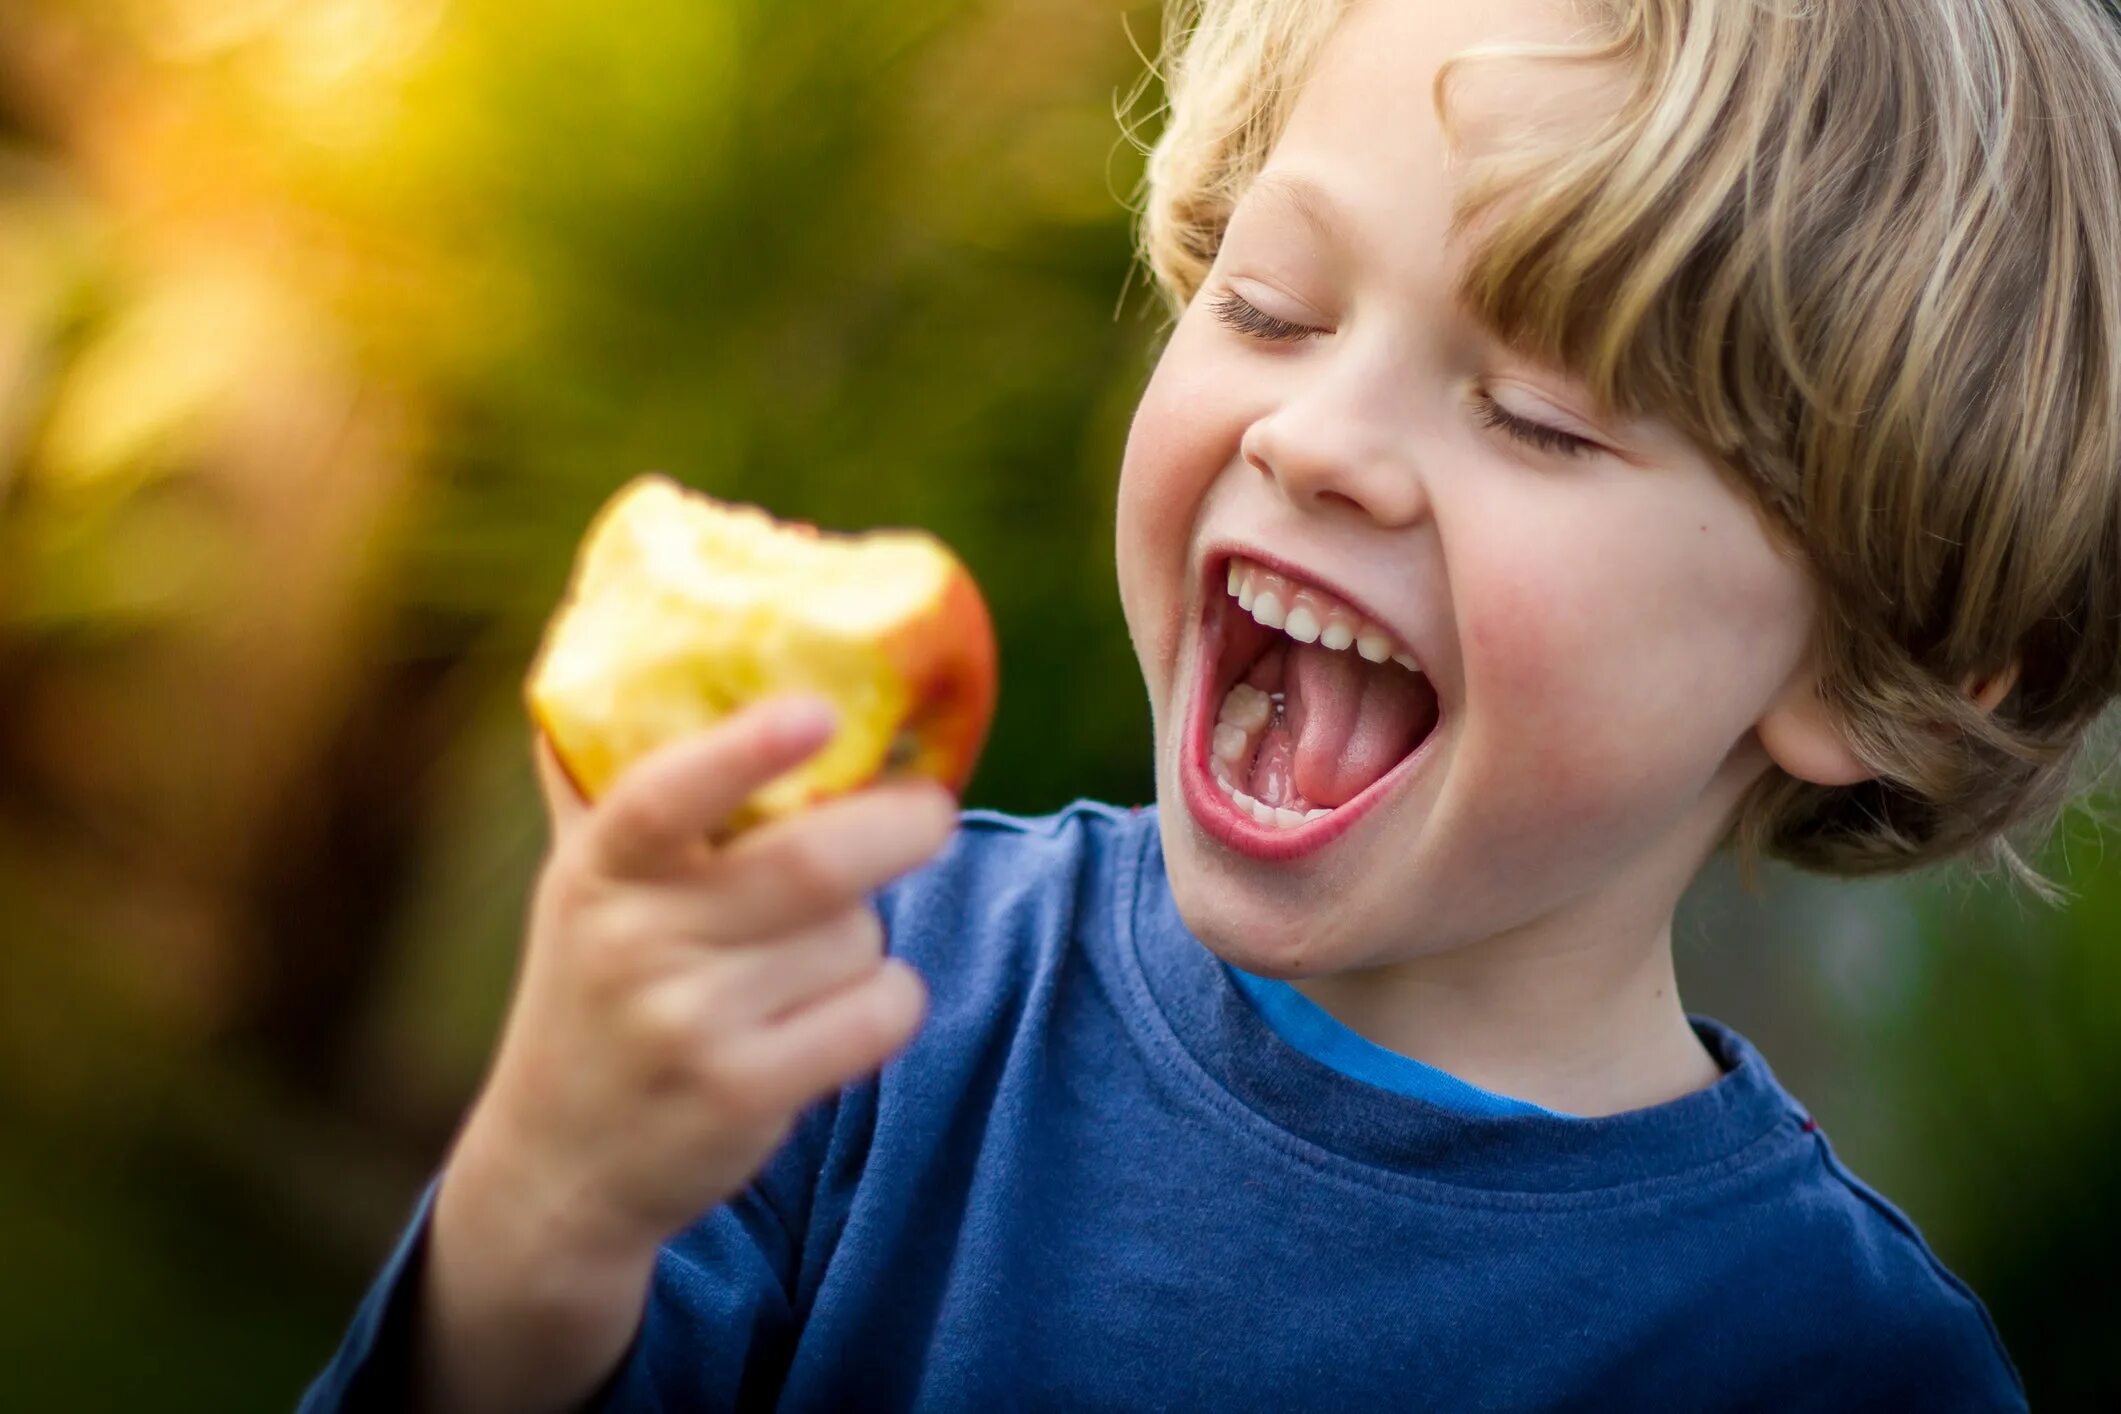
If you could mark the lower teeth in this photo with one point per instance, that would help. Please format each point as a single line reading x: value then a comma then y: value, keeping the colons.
x: 1274, y: 816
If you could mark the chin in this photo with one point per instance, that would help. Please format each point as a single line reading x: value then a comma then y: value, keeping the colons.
x: 1266, y: 938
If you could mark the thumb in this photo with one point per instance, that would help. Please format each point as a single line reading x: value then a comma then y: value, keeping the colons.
x: 564, y: 805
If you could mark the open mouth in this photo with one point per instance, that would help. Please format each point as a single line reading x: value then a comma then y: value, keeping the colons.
x: 1307, y: 712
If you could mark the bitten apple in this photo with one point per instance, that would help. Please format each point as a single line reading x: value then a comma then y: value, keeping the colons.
x: 683, y: 608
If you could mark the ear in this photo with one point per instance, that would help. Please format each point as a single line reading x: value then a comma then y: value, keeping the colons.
x: 1804, y: 739
x: 1988, y: 691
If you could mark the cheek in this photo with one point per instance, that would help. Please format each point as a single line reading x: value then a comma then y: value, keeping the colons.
x: 1149, y: 512
x: 1614, y: 675
x: 1181, y: 437
x: 1183, y: 431
x: 1536, y: 688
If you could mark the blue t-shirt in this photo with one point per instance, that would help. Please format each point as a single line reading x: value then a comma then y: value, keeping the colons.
x: 1099, y: 1180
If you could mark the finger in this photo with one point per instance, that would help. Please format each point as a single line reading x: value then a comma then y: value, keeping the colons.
x: 564, y: 806
x: 822, y: 1046
x: 767, y: 979
x: 663, y: 806
x: 804, y: 869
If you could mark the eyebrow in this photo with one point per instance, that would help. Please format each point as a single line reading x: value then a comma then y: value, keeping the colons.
x: 1310, y: 201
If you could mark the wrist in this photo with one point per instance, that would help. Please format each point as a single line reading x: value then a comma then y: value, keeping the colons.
x: 532, y: 1217
x: 520, y: 1311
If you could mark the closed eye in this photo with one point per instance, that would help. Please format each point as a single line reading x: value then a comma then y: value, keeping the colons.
x: 1533, y: 434
x: 1241, y: 314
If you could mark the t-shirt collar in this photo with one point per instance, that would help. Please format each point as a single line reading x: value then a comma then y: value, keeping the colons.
x: 1221, y: 1033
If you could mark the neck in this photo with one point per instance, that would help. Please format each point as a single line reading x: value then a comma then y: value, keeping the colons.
x: 1577, y: 1010
x: 1588, y: 1026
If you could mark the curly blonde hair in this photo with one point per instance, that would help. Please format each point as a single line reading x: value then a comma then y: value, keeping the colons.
x: 1867, y: 254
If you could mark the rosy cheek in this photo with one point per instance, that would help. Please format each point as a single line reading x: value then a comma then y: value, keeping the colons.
x: 1544, y: 705
x: 1169, y: 460
x: 1523, y: 643
x: 1503, y: 634
x: 1183, y: 433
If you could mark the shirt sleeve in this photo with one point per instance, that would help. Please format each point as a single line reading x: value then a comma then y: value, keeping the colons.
x: 368, y: 1369
x: 718, y: 1331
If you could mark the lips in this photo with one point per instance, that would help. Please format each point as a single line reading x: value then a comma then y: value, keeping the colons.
x: 1229, y: 640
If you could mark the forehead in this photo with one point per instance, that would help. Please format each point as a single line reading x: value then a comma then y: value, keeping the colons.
x: 1365, y: 150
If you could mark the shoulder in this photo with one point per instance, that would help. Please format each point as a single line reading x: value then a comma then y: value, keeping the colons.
x: 1009, y: 894
x: 1884, y: 1312
x: 996, y: 861
x: 1842, y: 1300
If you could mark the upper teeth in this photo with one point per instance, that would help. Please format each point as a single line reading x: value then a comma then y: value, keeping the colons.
x: 1310, y: 615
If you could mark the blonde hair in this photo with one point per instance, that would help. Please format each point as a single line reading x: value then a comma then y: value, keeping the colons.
x: 1867, y: 254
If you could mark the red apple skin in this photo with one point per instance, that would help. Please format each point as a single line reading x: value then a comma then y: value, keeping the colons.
x: 950, y: 661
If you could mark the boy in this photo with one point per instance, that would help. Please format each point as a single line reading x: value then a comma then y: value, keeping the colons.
x: 1696, y: 425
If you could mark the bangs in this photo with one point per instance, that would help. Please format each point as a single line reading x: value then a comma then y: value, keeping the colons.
x: 1642, y: 246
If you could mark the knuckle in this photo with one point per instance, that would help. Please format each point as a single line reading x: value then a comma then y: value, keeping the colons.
x: 635, y: 819
x: 940, y: 817
x: 925, y: 822
x: 871, y: 1031
x: 844, y: 965
x: 597, y: 935
x: 665, y: 1037
x: 862, y: 932
x: 732, y: 1089
x: 614, y: 940
x: 719, y: 1002
x: 567, y: 883
x: 609, y: 976
x: 618, y: 919
x: 869, y: 1026
x: 810, y: 871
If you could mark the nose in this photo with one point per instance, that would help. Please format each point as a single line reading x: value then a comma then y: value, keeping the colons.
x: 1323, y: 448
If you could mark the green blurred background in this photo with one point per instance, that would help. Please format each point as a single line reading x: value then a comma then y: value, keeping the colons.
x: 325, y: 325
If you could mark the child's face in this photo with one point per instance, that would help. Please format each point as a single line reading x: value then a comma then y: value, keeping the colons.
x: 1605, y: 633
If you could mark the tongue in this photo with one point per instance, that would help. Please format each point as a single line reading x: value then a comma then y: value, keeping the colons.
x: 1354, y: 720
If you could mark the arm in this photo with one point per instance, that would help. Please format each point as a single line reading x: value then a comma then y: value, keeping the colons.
x: 679, y: 1008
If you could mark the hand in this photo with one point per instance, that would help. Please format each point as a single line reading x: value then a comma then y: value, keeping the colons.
x: 680, y: 1003
x: 677, y: 1006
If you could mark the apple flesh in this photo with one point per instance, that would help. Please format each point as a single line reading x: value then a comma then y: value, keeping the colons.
x: 683, y: 608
